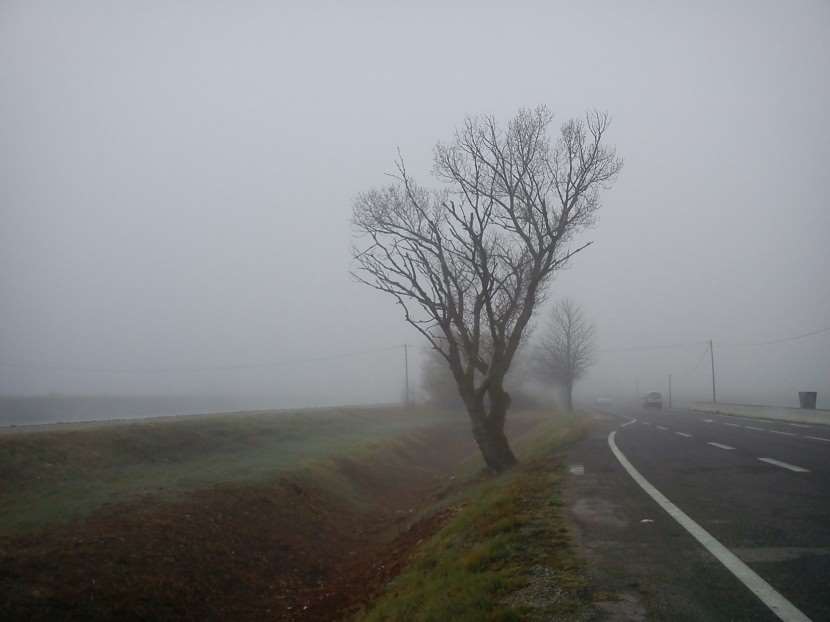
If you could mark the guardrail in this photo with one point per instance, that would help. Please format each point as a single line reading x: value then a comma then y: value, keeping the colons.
x: 779, y: 413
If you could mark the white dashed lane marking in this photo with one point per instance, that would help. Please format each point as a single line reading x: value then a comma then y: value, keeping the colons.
x: 720, y: 446
x: 780, y: 432
x: 785, y: 465
x: 660, y: 427
x: 684, y: 434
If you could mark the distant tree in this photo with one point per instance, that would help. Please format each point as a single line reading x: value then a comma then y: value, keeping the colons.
x: 469, y: 262
x: 567, y: 347
x: 441, y: 389
x: 438, y: 383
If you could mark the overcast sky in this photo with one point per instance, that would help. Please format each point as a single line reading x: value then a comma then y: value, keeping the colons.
x: 176, y: 183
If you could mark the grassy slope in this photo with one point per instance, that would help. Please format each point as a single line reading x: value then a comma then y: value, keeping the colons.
x: 505, y: 554
x: 60, y: 475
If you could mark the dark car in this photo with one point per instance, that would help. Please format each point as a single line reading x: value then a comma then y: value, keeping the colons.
x: 653, y: 400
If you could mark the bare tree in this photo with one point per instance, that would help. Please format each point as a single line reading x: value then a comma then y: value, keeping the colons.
x: 469, y: 262
x: 567, y: 348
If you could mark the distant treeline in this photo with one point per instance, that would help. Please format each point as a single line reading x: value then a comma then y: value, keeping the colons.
x: 32, y: 410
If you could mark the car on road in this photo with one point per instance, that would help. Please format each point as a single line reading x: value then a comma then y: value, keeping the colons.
x: 653, y: 400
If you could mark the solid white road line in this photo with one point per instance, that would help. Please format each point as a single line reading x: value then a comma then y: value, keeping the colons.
x: 720, y: 446
x: 818, y: 438
x: 785, y: 465
x: 779, y: 605
x: 783, y: 433
x: 799, y: 425
x: 749, y: 427
x: 684, y: 434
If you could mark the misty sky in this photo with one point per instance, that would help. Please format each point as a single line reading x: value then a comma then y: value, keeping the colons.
x: 176, y: 183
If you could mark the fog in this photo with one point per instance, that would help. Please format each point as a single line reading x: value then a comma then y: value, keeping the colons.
x: 176, y: 184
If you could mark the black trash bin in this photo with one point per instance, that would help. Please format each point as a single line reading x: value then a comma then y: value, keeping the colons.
x: 807, y: 399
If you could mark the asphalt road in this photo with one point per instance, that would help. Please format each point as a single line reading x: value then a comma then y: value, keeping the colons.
x: 761, y: 488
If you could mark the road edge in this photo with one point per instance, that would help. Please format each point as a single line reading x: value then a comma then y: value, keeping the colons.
x: 775, y: 601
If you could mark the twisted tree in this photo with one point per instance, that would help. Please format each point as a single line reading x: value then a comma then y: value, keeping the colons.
x: 468, y: 262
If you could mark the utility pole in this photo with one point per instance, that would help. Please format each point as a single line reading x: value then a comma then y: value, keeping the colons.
x: 712, y: 359
x: 670, y: 391
x: 406, y: 374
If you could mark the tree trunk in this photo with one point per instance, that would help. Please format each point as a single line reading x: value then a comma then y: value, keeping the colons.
x: 569, y: 396
x: 494, y: 446
x: 488, y: 431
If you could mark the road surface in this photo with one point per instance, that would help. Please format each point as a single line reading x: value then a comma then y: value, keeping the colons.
x: 760, y: 488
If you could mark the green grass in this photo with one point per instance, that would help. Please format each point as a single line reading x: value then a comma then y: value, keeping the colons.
x: 505, y: 554
x: 63, y: 474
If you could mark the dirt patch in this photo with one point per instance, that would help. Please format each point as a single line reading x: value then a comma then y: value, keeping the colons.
x: 295, y: 549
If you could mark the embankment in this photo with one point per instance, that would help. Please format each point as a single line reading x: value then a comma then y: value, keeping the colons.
x: 225, y: 518
x: 505, y: 554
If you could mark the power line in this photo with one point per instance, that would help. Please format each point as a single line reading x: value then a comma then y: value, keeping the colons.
x: 700, y: 360
x: 301, y: 361
x: 680, y: 346
x: 774, y: 341
x: 234, y: 367
x: 676, y: 346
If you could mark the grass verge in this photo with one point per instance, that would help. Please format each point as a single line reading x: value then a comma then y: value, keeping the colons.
x: 504, y: 555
